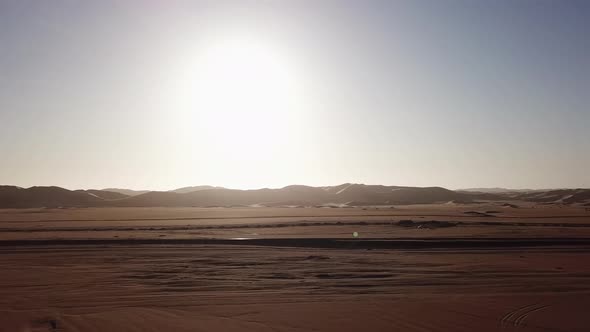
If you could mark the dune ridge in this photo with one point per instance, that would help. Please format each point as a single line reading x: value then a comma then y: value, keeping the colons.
x: 348, y: 194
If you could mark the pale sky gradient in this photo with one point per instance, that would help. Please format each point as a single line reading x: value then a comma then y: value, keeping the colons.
x: 248, y: 94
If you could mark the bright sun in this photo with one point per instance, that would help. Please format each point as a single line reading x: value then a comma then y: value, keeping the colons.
x: 244, y: 96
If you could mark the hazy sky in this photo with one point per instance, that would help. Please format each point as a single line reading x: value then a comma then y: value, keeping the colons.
x: 248, y: 94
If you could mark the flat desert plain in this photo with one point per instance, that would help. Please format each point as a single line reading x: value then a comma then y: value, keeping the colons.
x: 447, y: 267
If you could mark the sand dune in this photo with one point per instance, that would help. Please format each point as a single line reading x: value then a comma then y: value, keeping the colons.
x: 296, y: 195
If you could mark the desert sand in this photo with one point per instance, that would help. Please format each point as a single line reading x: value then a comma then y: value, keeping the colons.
x: 413, y: 268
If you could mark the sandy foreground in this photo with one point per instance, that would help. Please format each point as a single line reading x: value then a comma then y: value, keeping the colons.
x: 124, y: 284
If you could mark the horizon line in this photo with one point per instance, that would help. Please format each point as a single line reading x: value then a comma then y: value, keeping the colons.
x: 319, y: 186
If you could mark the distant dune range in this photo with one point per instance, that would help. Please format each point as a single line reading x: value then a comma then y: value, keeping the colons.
x: 296, y: 196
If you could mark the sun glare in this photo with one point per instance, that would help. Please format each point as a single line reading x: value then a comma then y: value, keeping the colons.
x: 243, y: 97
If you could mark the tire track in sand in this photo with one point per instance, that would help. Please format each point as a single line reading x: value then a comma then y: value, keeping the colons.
x: 517, y: 317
